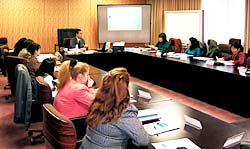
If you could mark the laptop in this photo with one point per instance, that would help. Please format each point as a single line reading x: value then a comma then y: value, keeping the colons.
x: 105, y: 47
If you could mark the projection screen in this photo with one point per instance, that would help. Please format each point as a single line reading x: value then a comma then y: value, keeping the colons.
x: 129, y: 23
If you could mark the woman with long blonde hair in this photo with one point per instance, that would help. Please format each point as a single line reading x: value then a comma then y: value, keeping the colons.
x: 111, y: 119
x: 74, y: 94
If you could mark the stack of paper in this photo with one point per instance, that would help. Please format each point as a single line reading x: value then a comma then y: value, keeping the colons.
x: 175, y: 144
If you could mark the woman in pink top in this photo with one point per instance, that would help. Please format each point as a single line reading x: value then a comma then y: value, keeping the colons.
x: 74, y: 92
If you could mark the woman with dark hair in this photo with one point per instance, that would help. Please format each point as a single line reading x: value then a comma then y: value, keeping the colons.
x: 162, y: 44
x: 111, y: 119
x: 33, y: 64
x: 238, y: 56
x: 46, y: 70
x: 24, y: 52
x: 18, y: 46
x: 194, y: 48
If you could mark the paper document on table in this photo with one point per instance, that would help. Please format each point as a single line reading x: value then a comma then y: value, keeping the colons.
x: 148, y: 115
x: 89, y: 52
x: 231, y: 62
x: 159, y: 127
x: 203, y: 58
x: 175, y: 144
x: 41, y: 57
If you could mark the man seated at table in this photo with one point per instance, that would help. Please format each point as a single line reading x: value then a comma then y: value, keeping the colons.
x: 78, y: 42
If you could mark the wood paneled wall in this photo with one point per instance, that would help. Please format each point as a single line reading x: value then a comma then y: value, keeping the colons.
x: 40, y: 19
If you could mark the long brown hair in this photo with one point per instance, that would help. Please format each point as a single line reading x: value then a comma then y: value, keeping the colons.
x: 111, y: 98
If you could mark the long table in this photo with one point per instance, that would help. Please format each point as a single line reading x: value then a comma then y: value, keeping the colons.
x: 221, y: 86
x: 214, y: 131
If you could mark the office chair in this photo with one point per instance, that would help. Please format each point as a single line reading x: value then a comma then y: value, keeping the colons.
x: 44, y: 96
x: 58, y: 130
x: 4, y: 50
x: 234, y: 40
x: 26, y: 110
x: 11, y: 62
x: 66, y: 42
x: 178, y: 44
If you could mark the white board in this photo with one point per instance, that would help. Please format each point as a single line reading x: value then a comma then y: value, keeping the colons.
x: 184, y: 24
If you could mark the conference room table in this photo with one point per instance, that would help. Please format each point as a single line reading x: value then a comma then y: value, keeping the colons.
x: 221, y: 86
x: 214, y: 131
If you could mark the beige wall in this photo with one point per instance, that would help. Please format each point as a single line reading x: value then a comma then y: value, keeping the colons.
x: 39, y: 19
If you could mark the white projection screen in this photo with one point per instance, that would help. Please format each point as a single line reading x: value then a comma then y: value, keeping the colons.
x: 184, y: 24
x: 128, y: 23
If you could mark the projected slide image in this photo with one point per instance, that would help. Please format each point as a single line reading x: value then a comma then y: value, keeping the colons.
x: 124, y: 18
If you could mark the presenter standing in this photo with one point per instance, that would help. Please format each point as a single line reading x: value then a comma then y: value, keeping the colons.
x: 78, y: 42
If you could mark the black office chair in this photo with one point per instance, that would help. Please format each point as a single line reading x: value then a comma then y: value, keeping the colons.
x: 11, y: 62
x: 44, y: 96
x: 66, y: 42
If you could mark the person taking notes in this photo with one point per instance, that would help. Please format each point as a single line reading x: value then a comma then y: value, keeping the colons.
x: 162, y: 44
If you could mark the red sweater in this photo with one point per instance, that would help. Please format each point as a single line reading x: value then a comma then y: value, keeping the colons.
x: 74, y: 99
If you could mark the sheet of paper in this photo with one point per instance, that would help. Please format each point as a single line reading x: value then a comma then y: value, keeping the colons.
x: 159, y: 127
x: 173, y: 144
x: 147, y: 112
x: 203, y: 58
x: 41, y: 57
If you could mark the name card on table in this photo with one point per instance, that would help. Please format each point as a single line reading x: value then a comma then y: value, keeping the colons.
x: 192, y: 122
x: 144, y: 94
x: 236, y: 139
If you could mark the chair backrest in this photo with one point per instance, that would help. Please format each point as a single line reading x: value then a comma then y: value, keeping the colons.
x: 203, y: 48
x: 58, y: 130
x: 178, y: 44
x: 234, y: 40
x: 11, y: 63
x: 66, y: 42
x: 44, y: 91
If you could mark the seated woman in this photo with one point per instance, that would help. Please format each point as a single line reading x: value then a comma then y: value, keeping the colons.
x: 46, y: 70
x: 213, y: 50
x: 238, y: 56
x: 74, y: 93
x: 162, y: 43
x: 194, y: 48
x: 18, y: 46
x: 24, y: 52
x: 111, y: 119
x: 33, y: 64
